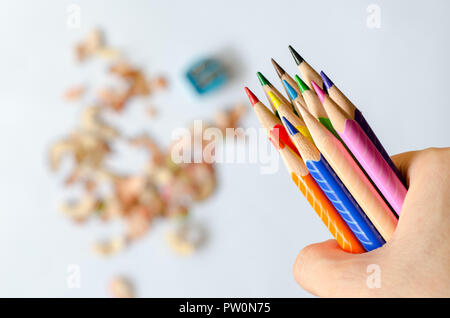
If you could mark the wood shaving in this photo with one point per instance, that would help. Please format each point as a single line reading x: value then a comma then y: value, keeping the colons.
x: 74, y: 93
x: 121, y: 287
x: 162, y: 189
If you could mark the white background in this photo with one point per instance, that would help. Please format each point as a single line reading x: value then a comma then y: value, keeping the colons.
x: 397, y: 75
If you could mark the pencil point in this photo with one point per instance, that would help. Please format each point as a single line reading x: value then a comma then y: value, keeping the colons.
x: 278, y: 68
x: 275, y: 100
x: 319, y: 91
x: 292, y: 130
x: 262, y: 79
x: 326, y: 81
x: 253, y: 99
x: 298, y: 59
x: 290, y: 90
x: 303, y: 87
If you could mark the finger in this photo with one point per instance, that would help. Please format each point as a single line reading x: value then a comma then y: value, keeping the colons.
x: 326, y: 270
x: 403, y: 162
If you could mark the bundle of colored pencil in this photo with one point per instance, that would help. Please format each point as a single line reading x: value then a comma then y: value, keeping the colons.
x: 333, y: 157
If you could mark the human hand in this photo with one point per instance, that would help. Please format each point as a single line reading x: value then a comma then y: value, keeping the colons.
x: 414, y: 263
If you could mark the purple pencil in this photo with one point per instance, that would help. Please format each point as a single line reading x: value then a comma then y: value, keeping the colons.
x: 355, y: 114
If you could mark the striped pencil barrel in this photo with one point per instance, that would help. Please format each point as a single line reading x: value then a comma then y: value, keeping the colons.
x: 336, y: 192
x: 352, y: 177
x: 303, y: 180
x: 355, y: 113
x: 327, y: 213
x: 366, y: 153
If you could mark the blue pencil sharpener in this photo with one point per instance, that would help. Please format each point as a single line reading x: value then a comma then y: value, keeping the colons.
x: 207, y: 75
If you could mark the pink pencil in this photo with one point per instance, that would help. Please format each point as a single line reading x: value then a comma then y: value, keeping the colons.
x: 365, y: 152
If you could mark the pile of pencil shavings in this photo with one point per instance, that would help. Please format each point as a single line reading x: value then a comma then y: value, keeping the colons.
x: 163, y: 189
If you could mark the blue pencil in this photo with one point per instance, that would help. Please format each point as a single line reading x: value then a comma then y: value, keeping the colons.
x: 335, y: 191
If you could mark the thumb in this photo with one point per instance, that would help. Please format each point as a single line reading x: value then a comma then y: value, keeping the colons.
x: 325, y: 270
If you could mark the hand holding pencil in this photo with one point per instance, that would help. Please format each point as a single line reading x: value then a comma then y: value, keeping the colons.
x: 338, y: 163
x: 415, y: 263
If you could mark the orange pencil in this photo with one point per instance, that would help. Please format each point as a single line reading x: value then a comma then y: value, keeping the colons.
x: 303, y: 180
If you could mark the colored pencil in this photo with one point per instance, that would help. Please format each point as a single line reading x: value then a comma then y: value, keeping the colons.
x: 352, y: 177
x: 306, y: 184
x: 286, y: 111
x: 268, y: 119
x: 335, y: 191
x: 268, y: 87
x: 296, y: 99
x: 306, y: 71
x: 365, y: 152
x: 355, y: 114
x: 288, y: 83
x: 314, y: 105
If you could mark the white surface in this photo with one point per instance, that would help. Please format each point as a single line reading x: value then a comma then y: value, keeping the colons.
x: 397, y: 71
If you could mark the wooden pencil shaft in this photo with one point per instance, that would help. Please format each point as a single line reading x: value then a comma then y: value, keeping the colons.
x: 352, y: 177
x: 308, y: 74
x: 307, y: 150
x: 343, y: 102
x: 271, y: 88
x: 314, y: 105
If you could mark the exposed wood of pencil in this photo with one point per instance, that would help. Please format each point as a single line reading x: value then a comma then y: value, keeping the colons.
x: 293, y: 163
x: 284, y: 76
x: 336, y: 114
x: 309, y: 74
x: 266, y: 117
x: 339, y: 98
x: 286, y: 111
x: 270, y: 122
x: 306, y: 148
x: 352, y: 177
x: 271, y: 88
x: 313, y: 104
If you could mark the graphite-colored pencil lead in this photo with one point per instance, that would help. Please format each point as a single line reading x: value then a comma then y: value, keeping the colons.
x: 290, y: 90
x: 278, y: 68
x: 326, y: 81
x: 303, y: 87
x: 297, y: 58
x: 319, y: 91
x: 253, y: 99
x: 262, y: 79
x: 292, y: 130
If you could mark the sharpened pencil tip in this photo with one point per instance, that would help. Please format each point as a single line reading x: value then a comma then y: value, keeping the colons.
x: 278, y: 68
x: 253, y: 99
x: 275, y: 100
x: 319, y: 91
x: 292, y: 130
x: 303, y: 87
x: 290, y: 90
x: 326, y: 81
x: 262, y: 79
x: 297, y: 57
